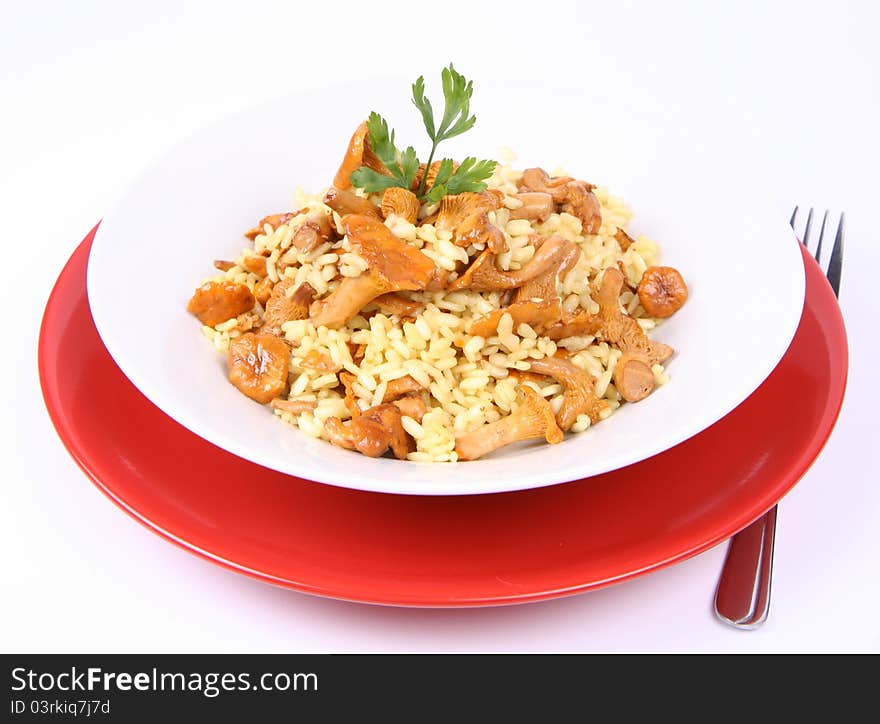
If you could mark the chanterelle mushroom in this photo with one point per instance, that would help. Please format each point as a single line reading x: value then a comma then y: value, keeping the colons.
x: 350, y: 400
x: 639, y: 352
x: 536, y: 206
x: 622, y: 330
x: 317, y: 361
x: 400, y: 202
x: 396, y: 389
x: 400, y: 387
x: 633, y: 378
x: 537, y: 314
x: 580, y: 201
x: 316, y: 229
x: 624, y: 240
x: 392, y: 266
x: 258, y: 365
x: 484, y: 276
x: 575, y: 197
x: 537, y: 179
x: 455, y: 208
x: 348, y: 202
x: 536, y: 302
x: 394, y: 303
x: 580, y: 392
x: 357, y: 154
x: 372, y: 432
x: 477, y: 229
x: 215, y: 302
x: 263, y: 290
x: 533, y: 418
x: 545, y: 286
x: 662, y: 291
x: 274, y: 220
x: 294, y: 407
x: 412, y: 406
x: 579, y: 324
x: 283, y: 307
x: 254, y: 263
x: 439, y: 280
x: 466, y: 215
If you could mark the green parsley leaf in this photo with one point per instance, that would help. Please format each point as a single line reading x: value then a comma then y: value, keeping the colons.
x: 424, y: 105
x: 457, y: 92
x: 403, y: 167
x: 372, y: 181
x: 470, y: 176
x: 439, y: 190
x: 444, y: 171
x: 409, y: 164
x: 382, y: 140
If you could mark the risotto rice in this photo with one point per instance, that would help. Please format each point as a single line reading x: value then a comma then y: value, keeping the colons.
x: 464, y: 380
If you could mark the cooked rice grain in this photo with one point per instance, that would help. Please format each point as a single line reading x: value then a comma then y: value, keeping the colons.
x: 465, y: 379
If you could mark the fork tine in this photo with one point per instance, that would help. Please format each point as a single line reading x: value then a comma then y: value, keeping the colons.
x: 836, y: 263
x: 821, y: 236
x: 806, y: 239
x: 793, y: 217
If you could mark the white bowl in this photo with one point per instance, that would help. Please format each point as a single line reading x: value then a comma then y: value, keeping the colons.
x: 741, y: 262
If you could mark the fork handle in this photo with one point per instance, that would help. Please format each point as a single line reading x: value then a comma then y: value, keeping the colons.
x: 743, y: 596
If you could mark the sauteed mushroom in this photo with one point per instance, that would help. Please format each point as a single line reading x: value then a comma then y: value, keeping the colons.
x: 580, y: 201
x: 662, y: 291
x: 536, y: 206
x: 537, y: 179
x: 274, y: 220
x: 484, y: 276
x: 294, y: 407
x: 347, y: 202
x: 371, y: 433
x: 466, y: 215
x: 400, y: 202
x: 580, y: 392
x: 393, y: 265
x: 215, y: 302
x: 639, y: 352
x: 533, y: 418
x: 258, y: 365
x: 359, y: 153
x: 285, y: 307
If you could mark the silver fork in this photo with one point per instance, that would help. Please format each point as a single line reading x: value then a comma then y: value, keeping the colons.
x: 743, y: 595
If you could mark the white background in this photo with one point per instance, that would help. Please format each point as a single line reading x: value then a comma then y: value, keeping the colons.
x: 92, y: 92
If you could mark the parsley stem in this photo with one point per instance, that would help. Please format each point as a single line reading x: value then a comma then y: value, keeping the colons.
x: 427, y: 168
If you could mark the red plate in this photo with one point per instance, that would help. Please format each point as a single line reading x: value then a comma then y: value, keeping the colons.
x: 436, y: 551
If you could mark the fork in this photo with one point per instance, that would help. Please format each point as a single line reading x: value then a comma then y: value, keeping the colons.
x: 743, y: 595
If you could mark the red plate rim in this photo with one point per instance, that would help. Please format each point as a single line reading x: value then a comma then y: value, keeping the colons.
x: 818, y: 293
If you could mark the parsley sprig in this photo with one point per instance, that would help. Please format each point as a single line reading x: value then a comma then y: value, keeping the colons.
x: 403, y: 166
